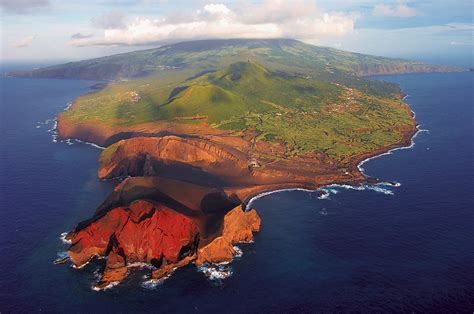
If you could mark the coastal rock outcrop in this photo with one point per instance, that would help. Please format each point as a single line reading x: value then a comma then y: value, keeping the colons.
x: 143, y: 231
x: 238, y: 226
x: 142, y: 222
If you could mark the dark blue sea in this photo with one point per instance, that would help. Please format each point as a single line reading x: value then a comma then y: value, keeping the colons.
x: 392, y: 249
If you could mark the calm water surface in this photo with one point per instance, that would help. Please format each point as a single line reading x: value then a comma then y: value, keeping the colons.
x: 409, y: 248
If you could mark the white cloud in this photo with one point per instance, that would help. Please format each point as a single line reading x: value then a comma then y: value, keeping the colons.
x: 217, y: 9
x: 277, y: 11
x: 270, y: 19
x: 398, y: 9
x: 23, y: 42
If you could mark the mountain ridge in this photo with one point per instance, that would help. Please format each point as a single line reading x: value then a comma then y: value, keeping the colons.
x: 287, y: 55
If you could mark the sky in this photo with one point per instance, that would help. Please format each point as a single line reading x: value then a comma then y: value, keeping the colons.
x: 54, y: 30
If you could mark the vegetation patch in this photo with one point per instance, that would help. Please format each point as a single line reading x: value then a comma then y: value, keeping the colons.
x: 309, y: 115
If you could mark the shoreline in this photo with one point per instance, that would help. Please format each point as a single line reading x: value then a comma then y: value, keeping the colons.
x: 204, y: 203
x: 324, y: 193
x: 389, y: 151
x: 406, y: 143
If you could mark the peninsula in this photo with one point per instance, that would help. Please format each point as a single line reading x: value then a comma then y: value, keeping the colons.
x: 196, y: 129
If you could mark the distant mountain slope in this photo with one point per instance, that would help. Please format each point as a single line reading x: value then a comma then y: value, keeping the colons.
x: 277, y: 54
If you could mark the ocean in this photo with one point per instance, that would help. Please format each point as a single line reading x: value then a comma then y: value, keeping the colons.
x: 391, y: 249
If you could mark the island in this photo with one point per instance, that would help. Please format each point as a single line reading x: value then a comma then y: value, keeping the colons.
x: 194, y: 130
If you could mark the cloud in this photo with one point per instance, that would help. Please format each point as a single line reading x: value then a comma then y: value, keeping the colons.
x: 80, y: 36
x: 111, y: 20
x: 23, y: 42
x: 398, y: 9
x: 277, y: 11
x: 22, y: 6
x: 269, y: 19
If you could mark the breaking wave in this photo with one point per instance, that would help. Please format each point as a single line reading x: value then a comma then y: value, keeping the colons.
x: 153, y: 283
x: 220, y: 271
x: 333, y: 189
x: 238, y: 252
x: 61, y: 257
x: 89, y: 143
x: 141, y: 265
x: 62, y: 237
x: 256, y: 197
x: 110, y: 285
x: 216, y: 272
x: 53, y: 130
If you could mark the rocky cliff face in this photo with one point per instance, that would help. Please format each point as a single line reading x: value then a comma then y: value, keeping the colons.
x: 143, y: 231
x: 238, y: 226
x: 151, y: 156
x: 205, y: 162
x: 181, y: 203
x: 153, y: 233
x: 169, y: 222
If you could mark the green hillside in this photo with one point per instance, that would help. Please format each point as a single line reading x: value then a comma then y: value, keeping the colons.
x: 306, y: 114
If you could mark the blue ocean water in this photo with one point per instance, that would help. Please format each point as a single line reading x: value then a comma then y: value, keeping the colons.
x: 356, y: 250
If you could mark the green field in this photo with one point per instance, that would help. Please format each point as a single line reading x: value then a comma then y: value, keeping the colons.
x: 306, y: 114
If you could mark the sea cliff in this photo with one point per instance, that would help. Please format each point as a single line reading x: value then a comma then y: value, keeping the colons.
x: 183, y: 199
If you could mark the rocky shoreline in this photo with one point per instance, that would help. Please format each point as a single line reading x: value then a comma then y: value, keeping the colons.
x: 183, y: 197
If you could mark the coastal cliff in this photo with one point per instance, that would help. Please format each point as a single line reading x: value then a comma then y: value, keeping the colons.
x: 157, y: 234
x: 166, y: 222
x: 143, y: 231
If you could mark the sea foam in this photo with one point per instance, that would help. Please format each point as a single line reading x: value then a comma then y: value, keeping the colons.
x: 153, y: 283
x: 216, y: 272
x: 141, y: 265
x: 61, y: 257
x: 219, y: 271
x: 62, y: 237
x: 256, y: 197
x: 110, y: 285
x: 91, y: 144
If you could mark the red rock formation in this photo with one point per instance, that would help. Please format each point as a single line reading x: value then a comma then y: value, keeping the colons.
x: 115, y: 269
x: 148, y: 156
x: 238, y: 226
x: 150, y: 232
x: 205, y: 162
x: 144, y: 231
x: 182, y: 203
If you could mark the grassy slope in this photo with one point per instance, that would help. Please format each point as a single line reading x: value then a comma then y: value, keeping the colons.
x: 306, y: 114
